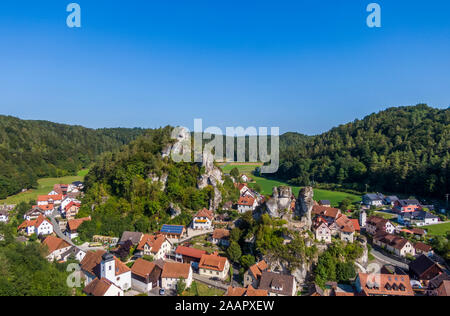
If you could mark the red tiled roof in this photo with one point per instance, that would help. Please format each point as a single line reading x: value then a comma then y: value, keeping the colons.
x: 356, y: 224
x: 249, y: 291
x: 98, y: 287
x: 36, y: 223
x: 385, y: 284
x: 143, y: 267
x: 246, y: 200
x: 176, y: 270
x: 205, y: 213
x: 221, y: 233
x: 42, y: 198
x: 326, y: 211
x: 213, y: 262
x: 190, y: 252
x: 55, y: 243
x: 153, y: 241
x: 91, y: 263
x: 258, y: 268
x: 75, y: 223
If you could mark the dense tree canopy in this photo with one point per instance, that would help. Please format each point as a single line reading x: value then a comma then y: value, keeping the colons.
x: 402, y: 150
x: 33, y: 149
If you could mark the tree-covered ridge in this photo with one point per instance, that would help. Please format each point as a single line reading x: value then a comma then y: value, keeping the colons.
x: 403, y: 150
x: 33, y: 149
x: 127, y: 193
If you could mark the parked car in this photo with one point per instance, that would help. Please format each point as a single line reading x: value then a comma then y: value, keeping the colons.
x: 162, y: 292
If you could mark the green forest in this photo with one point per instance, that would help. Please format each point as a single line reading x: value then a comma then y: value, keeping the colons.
x: 30, y: 150
x: 401, y: 150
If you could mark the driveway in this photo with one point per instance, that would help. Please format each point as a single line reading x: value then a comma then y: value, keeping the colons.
x: 217, y: 284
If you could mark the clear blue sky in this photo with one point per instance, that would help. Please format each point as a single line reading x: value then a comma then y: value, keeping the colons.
x: 304, y: 66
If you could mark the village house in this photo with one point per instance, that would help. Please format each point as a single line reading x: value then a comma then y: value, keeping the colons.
x: 221, y: 237
x: 47, y: 209
x: 248, y: 291
x: 174, y: 232
x: 49, y: 199
x: 70, y: 211
x: 424, y: 269
x: 39, y: 226
x: 4, y: 216
x: 383, y: 285
x: 404, y: 206
x: 346, y: 228
x: 73, y: 225
x: 100, y: 264
x: 157, y: 246
x: 214, y: 266
x: 102, y: 287
x: 436, y: 283
x: 252, y: 276
x: 390, y: 200
x: 277, y: 284
x: 56, y: 248
x: 423, y: 249
x: 395, y: 244
x: 322, y: 231
x: 189, y: 255
x: 33, y: 214
x: 203, y: 220
x: 134, y: 237
x: 377, y: 225
x: 59, y: 189
x: 418, y: 218
x: 373, y: 199
x: 145, y: 275
x: 173, y: 272
x: 246, y: 204
x: 330, y: 214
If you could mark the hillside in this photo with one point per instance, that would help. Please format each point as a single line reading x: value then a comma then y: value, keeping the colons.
x: 34, y: 149
x: 403, y: 150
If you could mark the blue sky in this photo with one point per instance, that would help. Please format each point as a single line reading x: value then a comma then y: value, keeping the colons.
x: 304, y: 66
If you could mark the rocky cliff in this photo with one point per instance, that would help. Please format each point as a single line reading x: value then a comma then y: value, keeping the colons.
x: 280, y: 203
x: 211, y: 176
x: 304, y: 205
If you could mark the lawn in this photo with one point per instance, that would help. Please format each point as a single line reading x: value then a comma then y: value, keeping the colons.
x: 203, y: 290
x: 267, y: 184
x: 333, y: 196
x: 45, y: 185
x: 385, y: 215
x: 438, y: 229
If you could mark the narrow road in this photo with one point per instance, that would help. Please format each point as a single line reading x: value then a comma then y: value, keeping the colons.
x: 207, y: 281
x: 388, y: 260
x: 58, y: 231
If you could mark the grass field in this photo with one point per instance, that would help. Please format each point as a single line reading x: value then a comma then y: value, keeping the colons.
x: 45, y: 185
x: 204, y: 290
x: 267, y: 184
x: 246, y: 169
x: 438, y: 229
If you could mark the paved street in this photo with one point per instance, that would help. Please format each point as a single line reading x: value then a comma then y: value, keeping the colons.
x: 206, y: 280
x: 388, y: 260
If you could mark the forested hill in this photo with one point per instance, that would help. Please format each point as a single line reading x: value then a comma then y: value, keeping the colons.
x: 33, y: 149
x: 402, y: 150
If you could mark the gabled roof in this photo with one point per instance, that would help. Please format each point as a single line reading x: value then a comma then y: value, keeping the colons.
x: 375, y: 196
x: 326, y: 211
x: 190, y: 252
x: 134, y: 237
x: 221, y: 233
x: 422, y: 247
x: 272, y: 279
x: 176, y: 270
x: 73, y: 224
x: 345, y: 224
x: 55, y: 243
x: 43, y: 198
x: 153, y: 241
x: 385, y: 284
x: 394, y: 241
x: 205, y: 213
x: 444, y: 289
x: 98, y: 287
x: 143, y: 267
x: 421, y: 265
x: 246, y: 201
x: 408, y: 202
x: 36, y: 223
x: 258, y: 268
x: 213, y: 262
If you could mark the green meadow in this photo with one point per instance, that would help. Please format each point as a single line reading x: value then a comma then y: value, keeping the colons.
x: 335, y: 197
x: 45, y: 185
x: 438, y: 229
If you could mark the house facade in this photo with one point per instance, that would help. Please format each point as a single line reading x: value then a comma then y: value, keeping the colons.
x: 252, y: 276
x: 39, y: 226
x: 277, y: 284
x: 203, y: 220
x: 323, y: 233
x: 157, y: 246
x: 145, y: 275
x: 175, y: 271
x: 404, y: 206
x: 246, y: 204
x: 56, y: 248
x: 395, y: 244
x: 221, y: 237
x: 214, y: 266
x: 376, y: 225
x: 373, y: 199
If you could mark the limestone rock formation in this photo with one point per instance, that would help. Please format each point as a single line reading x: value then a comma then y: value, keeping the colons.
x: 162, y: 179
x: 212, y: 176
x: 174, y: 210
x: 182, y: 143
x: 280, y: 203
x: 304, y: 205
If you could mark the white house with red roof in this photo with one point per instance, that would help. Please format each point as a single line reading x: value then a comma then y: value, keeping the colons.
x: 49, y: 199
x: 39, y: 226
x: 246, y: 204
x: 174, y: 271
x: 56, y: 248
x: 214, y: 266
x: 157, y: 246
x: 203, y: 220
